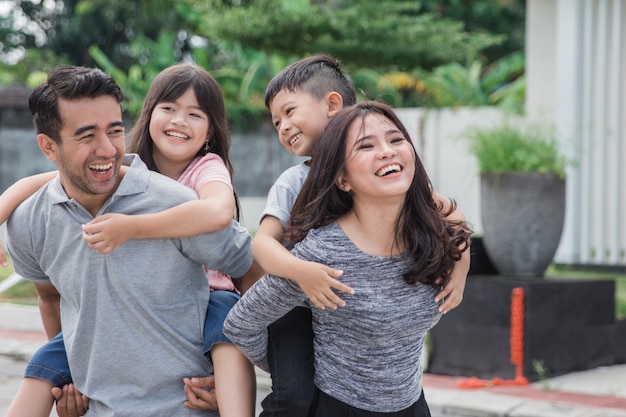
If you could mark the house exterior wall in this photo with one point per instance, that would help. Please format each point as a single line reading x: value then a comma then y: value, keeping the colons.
x: 582, y: 86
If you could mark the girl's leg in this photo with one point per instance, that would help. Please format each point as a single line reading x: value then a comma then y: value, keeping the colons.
x: 46, y: 369
x: 33, y: 399
x: 235, y: 380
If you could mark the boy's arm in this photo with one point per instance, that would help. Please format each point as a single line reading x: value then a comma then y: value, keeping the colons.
x: 315, y: 280
x: 453, y: 292
x: 15, y: 195
x: 211, y: 212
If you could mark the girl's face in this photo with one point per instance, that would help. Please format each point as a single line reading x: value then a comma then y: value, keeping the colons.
x: 380, y: 161
x: 178, y: 129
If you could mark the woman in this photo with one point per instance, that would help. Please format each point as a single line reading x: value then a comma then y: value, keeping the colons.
x: 367, y: 209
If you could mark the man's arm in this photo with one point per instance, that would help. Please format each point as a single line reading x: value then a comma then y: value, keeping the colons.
x: 49, y: 308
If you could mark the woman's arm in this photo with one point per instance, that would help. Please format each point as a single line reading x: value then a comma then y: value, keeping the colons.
x: 15, y: 195
x: 246, y: 324
x: 211, y: 212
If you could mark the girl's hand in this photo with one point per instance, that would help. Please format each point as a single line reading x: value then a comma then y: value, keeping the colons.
x: 3, y: 257
x: 106, y: 232
x: 317, y: 281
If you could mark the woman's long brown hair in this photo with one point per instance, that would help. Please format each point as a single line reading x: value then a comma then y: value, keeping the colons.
x: 433, y: 242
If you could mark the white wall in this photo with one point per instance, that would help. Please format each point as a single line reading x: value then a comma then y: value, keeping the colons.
x: 576, y: 69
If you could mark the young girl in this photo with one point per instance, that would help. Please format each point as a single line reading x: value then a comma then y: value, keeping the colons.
x: 367, y: 209
x: 182, y: 133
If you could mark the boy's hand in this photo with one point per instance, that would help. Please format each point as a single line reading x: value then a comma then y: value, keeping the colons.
x: 3, y: 257
x: 70, y: 402
x: 106, y: 232
x: 317, y: 281
x: 200, y: 393
x: 453, y: 292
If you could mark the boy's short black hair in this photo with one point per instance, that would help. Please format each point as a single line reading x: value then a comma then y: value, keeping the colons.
x: 318, y: 75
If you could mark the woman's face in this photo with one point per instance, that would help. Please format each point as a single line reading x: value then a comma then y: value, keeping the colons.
x: 380, y: 161
x: 178, y: 129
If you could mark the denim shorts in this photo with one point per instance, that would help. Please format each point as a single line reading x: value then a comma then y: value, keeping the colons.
x: 50, y: 363
x: 220, y: 303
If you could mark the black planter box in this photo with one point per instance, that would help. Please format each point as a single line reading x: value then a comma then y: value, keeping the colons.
x: 569, y: 326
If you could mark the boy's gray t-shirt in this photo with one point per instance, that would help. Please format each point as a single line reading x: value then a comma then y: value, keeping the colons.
x: 132, y: 319
x: 282, y: 196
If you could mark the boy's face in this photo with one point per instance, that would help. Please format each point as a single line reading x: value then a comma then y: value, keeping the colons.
x: 299, y: 119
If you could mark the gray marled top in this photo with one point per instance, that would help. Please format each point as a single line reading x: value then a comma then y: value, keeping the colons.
x: 368, y: 353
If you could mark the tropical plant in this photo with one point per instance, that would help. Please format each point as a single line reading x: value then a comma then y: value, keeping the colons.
x: 501, y: 83
x: 388, y: 34
x: 517, y: 147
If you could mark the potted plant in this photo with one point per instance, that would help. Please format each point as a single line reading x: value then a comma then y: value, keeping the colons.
x: 522, y: 177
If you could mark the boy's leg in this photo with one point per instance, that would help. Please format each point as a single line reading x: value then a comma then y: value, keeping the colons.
x: 46, y: 369
x: 290, y: 355
x: 235, y: 380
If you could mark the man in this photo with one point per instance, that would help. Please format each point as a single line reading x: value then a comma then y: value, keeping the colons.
x: 132, y: 319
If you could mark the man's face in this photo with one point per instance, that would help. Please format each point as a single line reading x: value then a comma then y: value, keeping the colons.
x: 91, y: 149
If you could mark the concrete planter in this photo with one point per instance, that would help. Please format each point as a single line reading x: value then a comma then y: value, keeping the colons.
x: 522, y: 216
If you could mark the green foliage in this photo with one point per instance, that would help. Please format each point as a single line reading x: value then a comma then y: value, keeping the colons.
x: 71, y: 27
x: 403, y: 52
x: 509, y: 147
x: 361, y: 33
x: 489, y: 16
x: 502, y: 83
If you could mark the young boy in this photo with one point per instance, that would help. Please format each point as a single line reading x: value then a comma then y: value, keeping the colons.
x: 302, y: 99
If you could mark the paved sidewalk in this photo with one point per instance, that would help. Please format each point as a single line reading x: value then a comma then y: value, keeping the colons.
x: 599, y: 392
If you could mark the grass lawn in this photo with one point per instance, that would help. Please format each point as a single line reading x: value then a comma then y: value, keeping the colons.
x: 21, y: 293
x: 24, y: 292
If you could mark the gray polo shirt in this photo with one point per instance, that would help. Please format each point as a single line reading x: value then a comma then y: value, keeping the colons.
x: 132, y: 319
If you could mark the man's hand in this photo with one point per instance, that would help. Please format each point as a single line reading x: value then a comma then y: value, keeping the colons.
x: 200, y: 393
x: 70, y: 402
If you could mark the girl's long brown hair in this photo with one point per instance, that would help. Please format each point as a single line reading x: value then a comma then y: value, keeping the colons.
x: 433, y: 242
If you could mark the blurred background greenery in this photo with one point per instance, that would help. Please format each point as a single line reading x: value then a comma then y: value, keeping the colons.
x: 407, y: 53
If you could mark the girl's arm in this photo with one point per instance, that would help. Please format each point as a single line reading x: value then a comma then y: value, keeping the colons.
x: 211, y: 212
x: 16, y: 194
x: 316, y: 280
x: 453, y: 292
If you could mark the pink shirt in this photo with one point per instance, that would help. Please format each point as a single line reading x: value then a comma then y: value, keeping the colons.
x: 201, y: 170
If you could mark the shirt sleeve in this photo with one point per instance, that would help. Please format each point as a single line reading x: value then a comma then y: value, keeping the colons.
x: 20, y: 248
x: 208, y: 168
x: 269, y: 299
x: 228, y: 250
x: 214, y: 169
x: 246, y: 324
